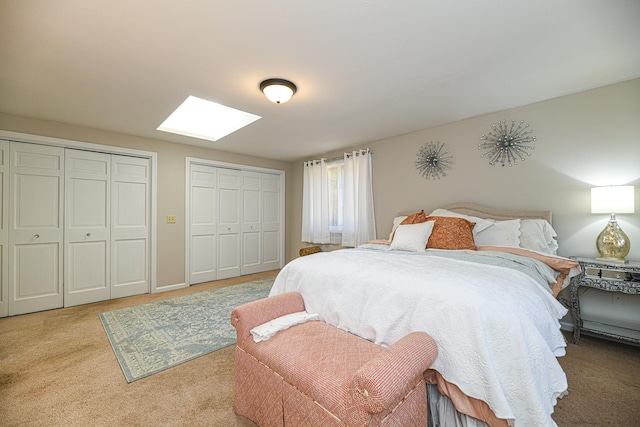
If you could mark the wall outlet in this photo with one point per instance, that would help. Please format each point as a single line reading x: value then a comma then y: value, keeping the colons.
x: 171, y: 219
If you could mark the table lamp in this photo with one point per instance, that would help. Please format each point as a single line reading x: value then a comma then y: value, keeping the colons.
x: 612, y: 243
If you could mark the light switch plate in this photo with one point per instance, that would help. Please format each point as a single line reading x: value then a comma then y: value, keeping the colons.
x: 171, y: 219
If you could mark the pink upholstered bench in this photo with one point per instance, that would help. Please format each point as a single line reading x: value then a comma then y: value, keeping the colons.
x: 314, y: 374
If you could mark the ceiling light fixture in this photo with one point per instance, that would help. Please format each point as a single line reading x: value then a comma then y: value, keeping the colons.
x: 278, y: 91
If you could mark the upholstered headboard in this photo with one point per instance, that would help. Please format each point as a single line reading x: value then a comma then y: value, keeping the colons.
x: 500, y: 214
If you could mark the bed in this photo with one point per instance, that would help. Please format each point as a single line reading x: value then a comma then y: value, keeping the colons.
x: 484, y: 288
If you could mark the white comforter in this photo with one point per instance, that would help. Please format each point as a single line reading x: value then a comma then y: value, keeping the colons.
x: 497, y: 329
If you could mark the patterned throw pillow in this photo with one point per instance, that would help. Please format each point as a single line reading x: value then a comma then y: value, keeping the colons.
x: 415, y: 218
x: 451, y: 233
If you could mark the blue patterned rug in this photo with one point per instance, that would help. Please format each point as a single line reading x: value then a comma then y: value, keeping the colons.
x: 150, y: 338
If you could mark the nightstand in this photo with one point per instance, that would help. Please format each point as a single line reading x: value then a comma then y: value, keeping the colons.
x: 610, y: 277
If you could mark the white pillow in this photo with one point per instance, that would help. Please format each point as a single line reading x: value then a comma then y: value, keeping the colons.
x: 396, y: 222
x: 538, y: 235
x: 501, y: 233
x: 412, y: 237
x: 481, y: 223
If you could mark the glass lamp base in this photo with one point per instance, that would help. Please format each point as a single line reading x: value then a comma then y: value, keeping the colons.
x: 612, y: 243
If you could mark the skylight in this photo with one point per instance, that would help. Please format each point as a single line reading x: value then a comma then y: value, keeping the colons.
x: 204, y: 119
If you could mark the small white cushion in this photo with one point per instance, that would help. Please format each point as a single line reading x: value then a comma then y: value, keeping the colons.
x: 412, y: 237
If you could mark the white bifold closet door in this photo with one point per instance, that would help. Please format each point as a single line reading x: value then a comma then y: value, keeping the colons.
x: 260, y: 222
x: 229, y: 222
x: 130, y: 225
x: 36, y: 230
x: 74, y: 227
x: 215, y: 223
x: 271, y: 223
x: 251, y: 223
x: 203, y: 241
x: 106, y: 227
x: 87, y: 249
x: 235, y: 222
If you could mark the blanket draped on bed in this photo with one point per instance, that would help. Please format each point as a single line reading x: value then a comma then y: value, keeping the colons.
x: 495, y: 320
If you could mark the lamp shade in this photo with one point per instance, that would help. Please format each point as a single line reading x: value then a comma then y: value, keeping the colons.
x: 613, y: 199
x: 278, y: 91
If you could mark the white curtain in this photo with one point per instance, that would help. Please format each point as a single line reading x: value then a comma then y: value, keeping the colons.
x: 315, y: 203
x: 359, y: 222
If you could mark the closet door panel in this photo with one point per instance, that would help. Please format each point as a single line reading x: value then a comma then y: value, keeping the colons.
x: 251, y: 223
x: 203, y: 260
x: 36, y: 268
x: 4, y: 229
x: 130, y: 231
x: 88, y: 271
x: 203, y: 224
x: 271, y: 250
x: 251, y: 253
x: 131, y: 277
x: 87, y: 227
x: 229, y: 216
x: 271, y: 222
x: 36, y: 228
x: 228, y: 256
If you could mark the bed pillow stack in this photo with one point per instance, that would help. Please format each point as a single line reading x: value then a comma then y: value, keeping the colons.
x: 533, y: 234
x: 417, y: 232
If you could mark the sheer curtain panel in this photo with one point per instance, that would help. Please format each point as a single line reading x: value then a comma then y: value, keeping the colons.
x: 315, y: 203
x: 359, y: 222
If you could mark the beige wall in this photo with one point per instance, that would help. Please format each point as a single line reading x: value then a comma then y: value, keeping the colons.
x: 171, y: 181
x: 586, y: 139
x: 583, y: 140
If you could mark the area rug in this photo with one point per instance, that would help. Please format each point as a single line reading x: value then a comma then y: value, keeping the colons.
x: 150, y: 338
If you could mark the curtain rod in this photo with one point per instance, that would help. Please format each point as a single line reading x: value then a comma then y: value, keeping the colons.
x: 334, y: 159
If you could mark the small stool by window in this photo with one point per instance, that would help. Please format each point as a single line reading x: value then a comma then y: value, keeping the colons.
x: 310, y: 250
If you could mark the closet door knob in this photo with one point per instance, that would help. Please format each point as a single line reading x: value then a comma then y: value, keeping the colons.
x: 36, y: 236
x: 88, y: 235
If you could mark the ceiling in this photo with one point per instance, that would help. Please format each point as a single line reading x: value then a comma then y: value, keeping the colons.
x: 365, y: 70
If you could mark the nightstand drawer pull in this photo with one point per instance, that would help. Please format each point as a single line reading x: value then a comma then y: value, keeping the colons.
x: 615, y: 275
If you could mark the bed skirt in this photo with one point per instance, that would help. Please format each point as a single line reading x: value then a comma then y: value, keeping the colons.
x: 443, y: 413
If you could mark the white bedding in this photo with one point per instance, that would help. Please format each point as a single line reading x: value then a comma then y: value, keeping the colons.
x: 498, y: 334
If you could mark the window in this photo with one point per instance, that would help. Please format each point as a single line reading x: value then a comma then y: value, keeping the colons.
x: 335, y: 175
x: 337, y: 200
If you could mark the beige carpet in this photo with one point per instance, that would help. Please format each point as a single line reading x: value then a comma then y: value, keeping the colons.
x: 58, y: 369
